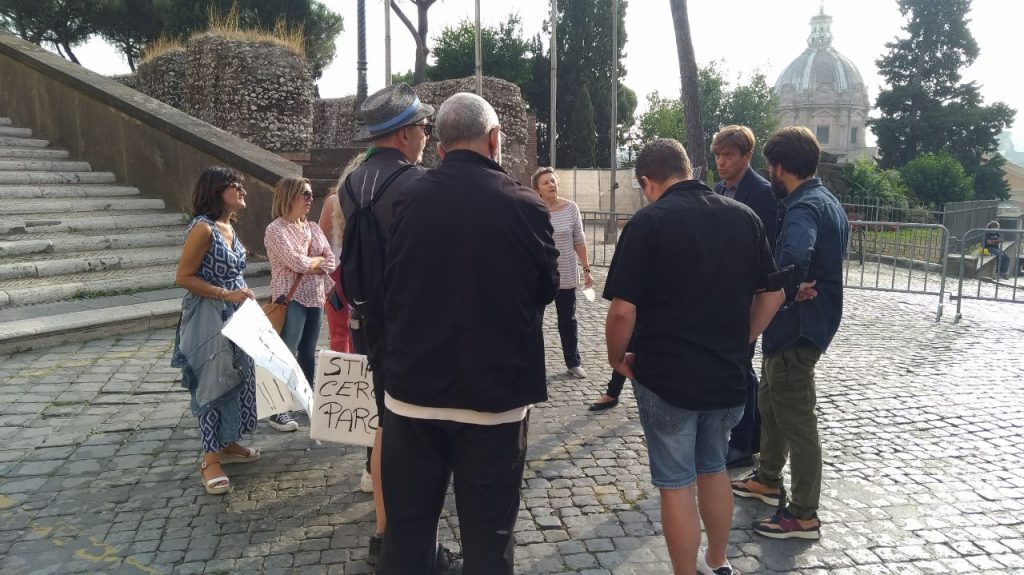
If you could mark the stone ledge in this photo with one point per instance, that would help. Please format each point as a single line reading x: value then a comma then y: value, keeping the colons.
x: 24, y: 335
x: 232, y: 150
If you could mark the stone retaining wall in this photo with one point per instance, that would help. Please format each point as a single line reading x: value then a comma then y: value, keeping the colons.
x: 335, y: 121
x: 259, y: 91
x: 163, y: 78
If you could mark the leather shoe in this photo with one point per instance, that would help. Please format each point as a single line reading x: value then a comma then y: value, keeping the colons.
x: 603, y: 405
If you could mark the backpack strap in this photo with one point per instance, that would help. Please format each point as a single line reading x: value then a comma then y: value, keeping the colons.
x: 387, y: 184
x: 380, y: 191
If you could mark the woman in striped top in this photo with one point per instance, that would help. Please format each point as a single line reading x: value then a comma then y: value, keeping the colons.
x: 565, y: 219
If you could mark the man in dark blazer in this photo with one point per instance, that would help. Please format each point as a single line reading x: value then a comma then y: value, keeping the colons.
x: 733, y: 147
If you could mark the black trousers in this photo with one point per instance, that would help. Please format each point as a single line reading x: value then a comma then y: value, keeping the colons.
x: 565, y: 307
x: 419, y: 457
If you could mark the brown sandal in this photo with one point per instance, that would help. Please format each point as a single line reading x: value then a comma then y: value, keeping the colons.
x: 232, y: 457
x: 217, y: 485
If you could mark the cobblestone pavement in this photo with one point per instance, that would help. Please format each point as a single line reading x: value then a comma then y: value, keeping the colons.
x: 921, y: 424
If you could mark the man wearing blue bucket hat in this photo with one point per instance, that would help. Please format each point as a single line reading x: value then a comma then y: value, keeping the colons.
x: 397, y: 124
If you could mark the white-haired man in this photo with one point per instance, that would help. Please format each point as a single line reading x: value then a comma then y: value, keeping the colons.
x: 471, y: 263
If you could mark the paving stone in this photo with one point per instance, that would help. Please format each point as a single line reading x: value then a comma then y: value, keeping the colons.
x: 919, y: 469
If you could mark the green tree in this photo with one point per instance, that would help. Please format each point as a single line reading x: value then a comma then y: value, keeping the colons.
x: 927, y: 108
x: 584, y: 61
x: 937, y: 178
x: 507, y: 54
x: 319, y: 24
x: 130, y: 25
x: 63, y: 24
x: 664, y: 118
x: 753, y: 105
x: 867, y: 180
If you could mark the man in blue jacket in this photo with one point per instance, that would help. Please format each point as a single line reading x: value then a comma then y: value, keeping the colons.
x: 733, y: 147
x: 813, y: 239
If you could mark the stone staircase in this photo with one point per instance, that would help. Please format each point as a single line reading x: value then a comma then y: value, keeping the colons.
x: 82, y: 256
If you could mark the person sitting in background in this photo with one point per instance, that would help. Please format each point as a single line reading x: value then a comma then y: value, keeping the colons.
x: 300, y: 261
x: 994, y: 244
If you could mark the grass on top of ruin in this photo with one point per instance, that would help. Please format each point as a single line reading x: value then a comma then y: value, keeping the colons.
x: 229, y: 27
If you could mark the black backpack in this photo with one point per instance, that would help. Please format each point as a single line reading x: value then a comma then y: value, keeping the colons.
x: 362, y: 254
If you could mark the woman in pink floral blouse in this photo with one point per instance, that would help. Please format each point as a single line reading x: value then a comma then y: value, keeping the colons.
x: 298, y: 251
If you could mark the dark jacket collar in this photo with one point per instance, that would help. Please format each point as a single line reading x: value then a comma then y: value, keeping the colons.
x: 387, y: 153
x: 685, y: 186
x: 469, y: 156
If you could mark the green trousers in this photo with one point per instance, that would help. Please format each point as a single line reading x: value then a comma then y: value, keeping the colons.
x: 789, y: 427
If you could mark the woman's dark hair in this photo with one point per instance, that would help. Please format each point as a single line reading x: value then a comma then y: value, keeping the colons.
x: 207, y: 196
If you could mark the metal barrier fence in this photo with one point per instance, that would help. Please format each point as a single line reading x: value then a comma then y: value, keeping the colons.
x: 898, y: 257
x: 602, y: 232
x: 990, y: 272
x: 891, y: 256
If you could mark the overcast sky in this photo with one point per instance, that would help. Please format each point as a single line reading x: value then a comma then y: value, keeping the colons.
x: 748, y: 35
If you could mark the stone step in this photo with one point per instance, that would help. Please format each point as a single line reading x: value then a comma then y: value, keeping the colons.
x: 11, y: 152
x: 83, y: 221
x: 13, y: 142
x: 43, y: 166
x: 68, y: 243
x: 8, y: 178
x: 65, y: 191
x: 13, y: 132
x: 20, y: 292
x: 88, y: 319
x: 45, y: 265
x: 57, y: 206
x: 5, y: 121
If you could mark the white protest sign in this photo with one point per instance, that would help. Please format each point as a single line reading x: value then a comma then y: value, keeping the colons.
x: 272, y: 396
x: 344, y: 408
x: 250, y: 329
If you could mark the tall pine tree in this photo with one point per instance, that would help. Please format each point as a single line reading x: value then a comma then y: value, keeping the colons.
x: 584, y: 83
x: 927, y: 108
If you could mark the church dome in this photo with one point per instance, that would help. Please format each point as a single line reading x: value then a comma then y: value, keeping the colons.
x: 823, y: 90
x: 821, y: 65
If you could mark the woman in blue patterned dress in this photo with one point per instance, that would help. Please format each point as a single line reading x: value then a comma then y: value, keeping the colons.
x: 219, y: 376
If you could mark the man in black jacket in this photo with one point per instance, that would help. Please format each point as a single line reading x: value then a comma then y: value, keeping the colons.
x: 733, y: 147
x: 471, y: 262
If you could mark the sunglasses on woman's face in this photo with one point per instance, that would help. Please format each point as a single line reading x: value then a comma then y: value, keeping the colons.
x: 307, y: 194
x: 236, y: 185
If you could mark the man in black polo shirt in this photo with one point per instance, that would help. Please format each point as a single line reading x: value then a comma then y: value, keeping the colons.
x: 689, y: 282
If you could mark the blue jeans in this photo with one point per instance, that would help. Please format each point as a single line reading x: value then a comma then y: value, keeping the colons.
x: 1003, y: 257
x: 683, y: 443
x: 300, y: 333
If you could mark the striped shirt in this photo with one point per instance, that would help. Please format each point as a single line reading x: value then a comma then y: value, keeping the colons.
x: 568, y: 233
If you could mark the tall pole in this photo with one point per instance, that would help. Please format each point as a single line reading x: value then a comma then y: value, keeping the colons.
x: 387, y: 43
x: 552, y: 126
x: 361, y: 58
x: 479, y: 57
x: 615, y: 100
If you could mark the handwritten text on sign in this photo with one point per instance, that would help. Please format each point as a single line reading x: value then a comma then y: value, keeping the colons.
x: 272, y: 396
x: 344, y: 408
x: 250, y: 329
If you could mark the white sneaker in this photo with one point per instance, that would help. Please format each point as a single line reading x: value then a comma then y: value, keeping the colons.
x: 366, y: 482
x: 578, y: 372
x: 704, y: 569
x: 283, y: 422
